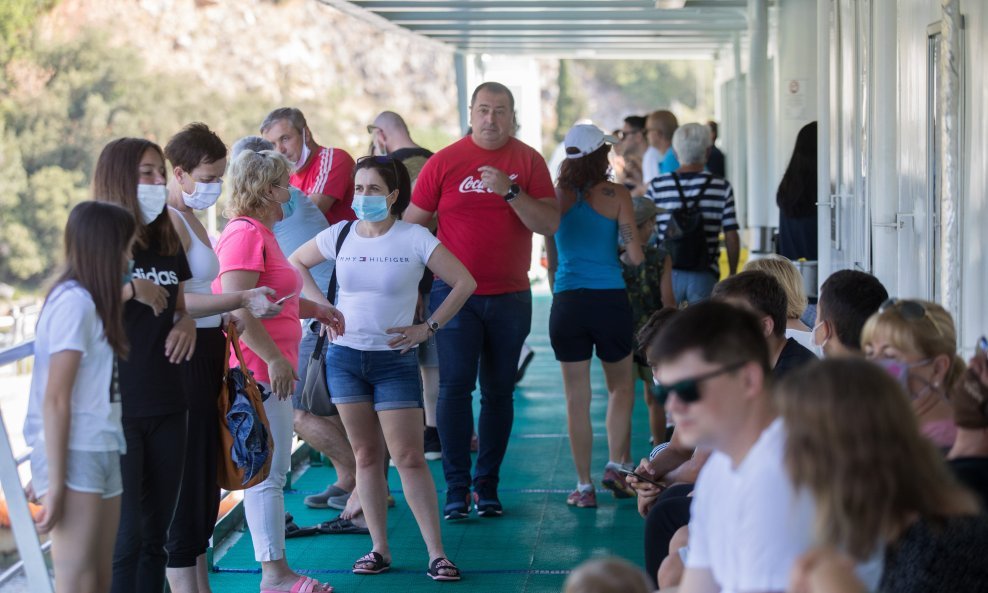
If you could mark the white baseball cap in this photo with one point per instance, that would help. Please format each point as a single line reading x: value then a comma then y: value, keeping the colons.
x: 583, y: 139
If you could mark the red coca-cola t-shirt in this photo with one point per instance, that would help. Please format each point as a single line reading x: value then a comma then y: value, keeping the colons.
x: 329, y: 172
x: 477, y: 225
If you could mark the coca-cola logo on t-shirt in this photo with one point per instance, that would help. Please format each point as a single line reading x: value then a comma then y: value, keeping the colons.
x: 475, y: 185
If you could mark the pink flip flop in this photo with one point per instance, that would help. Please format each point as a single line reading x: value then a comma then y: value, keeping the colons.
x: 304, y: 585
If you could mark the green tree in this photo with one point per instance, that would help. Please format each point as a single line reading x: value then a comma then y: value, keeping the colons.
x: 571, y: 104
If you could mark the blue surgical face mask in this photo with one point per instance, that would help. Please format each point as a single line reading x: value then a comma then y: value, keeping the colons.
x: 289, y: 207
x: 129, y: 274
x: 370, y: 208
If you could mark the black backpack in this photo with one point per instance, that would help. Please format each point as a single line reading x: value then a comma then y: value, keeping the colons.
x: 685, y: 239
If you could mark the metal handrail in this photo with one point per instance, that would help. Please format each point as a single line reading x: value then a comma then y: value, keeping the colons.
x: 31, y: 550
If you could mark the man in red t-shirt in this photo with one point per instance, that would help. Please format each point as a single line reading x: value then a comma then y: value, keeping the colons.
x: 324, y: 174
x: 491, y: 192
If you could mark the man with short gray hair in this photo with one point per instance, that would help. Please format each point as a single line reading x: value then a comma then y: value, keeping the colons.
x: 694, y: 207
x: 323, y: 174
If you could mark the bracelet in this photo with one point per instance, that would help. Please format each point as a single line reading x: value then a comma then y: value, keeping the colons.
x: 133, y: 290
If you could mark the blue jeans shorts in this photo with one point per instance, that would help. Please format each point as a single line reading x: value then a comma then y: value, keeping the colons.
x: 92, y: 472
x: 387, y: 378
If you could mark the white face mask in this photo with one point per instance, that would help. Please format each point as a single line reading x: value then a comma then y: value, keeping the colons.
x: 151, y: 199
x: 305, y: 154
x: 204, y: 195
x: 819, y: 346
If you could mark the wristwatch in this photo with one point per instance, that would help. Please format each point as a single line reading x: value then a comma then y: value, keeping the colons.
x: 433, y: 325
x: 513, y: 192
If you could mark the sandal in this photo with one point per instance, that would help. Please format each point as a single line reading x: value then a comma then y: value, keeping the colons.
x: 442, y: 569
x: 340, y: 526
x: 370, y: 563
x: 293, y: 530
x: 305, y: 585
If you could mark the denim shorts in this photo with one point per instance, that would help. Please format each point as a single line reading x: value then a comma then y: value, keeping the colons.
x: 387, y: 378
x: 92, y: 472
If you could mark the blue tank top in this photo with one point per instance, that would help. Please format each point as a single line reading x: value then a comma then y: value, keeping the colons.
x: 586, y: 247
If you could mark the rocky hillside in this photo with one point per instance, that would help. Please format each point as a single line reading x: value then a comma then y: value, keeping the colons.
x: 340, y: 69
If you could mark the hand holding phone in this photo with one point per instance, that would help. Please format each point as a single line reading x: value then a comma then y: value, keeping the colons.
x: 638, y: 476
x: 284, y: 298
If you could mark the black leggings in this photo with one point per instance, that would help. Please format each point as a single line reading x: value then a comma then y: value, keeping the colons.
x: 670, y: 512
x: 199, y: 497
x: 152, y: 473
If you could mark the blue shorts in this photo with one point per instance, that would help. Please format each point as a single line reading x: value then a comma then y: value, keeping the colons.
x: 387, y: 378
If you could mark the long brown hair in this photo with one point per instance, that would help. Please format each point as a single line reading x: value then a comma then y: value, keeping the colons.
x: 115, y: 180
x: 854, y: 443
x: 96, y: 237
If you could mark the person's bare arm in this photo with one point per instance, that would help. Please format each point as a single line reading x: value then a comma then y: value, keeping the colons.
x: 323, y: 202
x: 698, y: 580
x: 539, y: 214
x: 633, y: 254
x: 415, y: 215
x: 280, y: 370
x: 63, y: 368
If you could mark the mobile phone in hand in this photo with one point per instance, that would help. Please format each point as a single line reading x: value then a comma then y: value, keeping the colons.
x: 284, y: 298
x: 638, y: 476
x: 982, y: 347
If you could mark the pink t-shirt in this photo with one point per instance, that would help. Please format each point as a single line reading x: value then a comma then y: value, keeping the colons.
x: 247, y: 245
x: 329, y: 172
x: 478, y: 226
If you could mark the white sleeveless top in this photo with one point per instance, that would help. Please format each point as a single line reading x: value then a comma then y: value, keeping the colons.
x: 205, y: 267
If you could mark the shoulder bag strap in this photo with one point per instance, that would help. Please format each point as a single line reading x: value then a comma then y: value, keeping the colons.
x: 264, y: 255
x: 699, y: 196
x: 331, y: 289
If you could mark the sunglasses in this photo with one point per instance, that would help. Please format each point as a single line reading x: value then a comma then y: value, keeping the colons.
x: 380, y: 160
x: 688, y: 390
x: 909, y: 310
x: 621, y: 134
x: 371, y: 128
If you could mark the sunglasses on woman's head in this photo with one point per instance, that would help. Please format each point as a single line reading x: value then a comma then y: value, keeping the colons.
x: 381, y: 160
x: 688, y: 390
x: 909, y: 310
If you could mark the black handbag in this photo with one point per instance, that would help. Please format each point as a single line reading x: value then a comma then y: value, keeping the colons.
x: 315, y: 392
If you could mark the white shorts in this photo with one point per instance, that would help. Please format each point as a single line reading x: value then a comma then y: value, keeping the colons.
x: 95, y: 472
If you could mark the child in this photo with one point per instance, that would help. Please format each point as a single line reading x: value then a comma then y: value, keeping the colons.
x: 649, y: 289
x: 73, y: 420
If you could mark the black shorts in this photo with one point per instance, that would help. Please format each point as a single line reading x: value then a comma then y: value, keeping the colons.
x: 584, y: 318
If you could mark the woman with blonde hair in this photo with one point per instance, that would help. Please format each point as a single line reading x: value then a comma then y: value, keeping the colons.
x: 877, y: 484
x: 916, y: 343
x: 249, y: 256
x: 791, y: 280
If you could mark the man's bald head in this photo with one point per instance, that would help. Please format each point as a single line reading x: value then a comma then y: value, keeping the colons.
x: 391, y: 123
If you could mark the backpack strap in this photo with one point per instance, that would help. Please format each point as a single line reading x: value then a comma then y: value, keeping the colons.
x: 699, y: 196
x: 331, y: 289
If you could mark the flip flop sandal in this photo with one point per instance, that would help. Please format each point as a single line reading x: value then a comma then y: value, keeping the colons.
x: 370, y: 563
x: 293, y: 530
x: 339, y: 526
x: 449, y: 570
x: 304, y: 585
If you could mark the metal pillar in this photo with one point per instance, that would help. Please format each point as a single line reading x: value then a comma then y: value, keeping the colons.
x: 759, y: 195
x: 950, y: 134
x: 883, y: 176
x: 824, y: 201
x: 462, y: 92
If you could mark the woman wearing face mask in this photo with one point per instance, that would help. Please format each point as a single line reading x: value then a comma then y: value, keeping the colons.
x: 130, y: 172
x: 916, y: 342
x: 249, y: 256
x: 373, y: 369
x: 198, y: 159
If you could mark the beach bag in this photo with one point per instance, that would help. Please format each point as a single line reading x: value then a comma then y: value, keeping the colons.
x: 315, y: 392
x: 246, y: 447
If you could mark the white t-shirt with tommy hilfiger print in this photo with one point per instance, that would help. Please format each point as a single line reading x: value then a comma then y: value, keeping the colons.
x: 378, y: 280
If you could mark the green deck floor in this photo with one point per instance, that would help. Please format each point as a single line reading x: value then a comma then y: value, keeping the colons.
x: 529, y: 549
